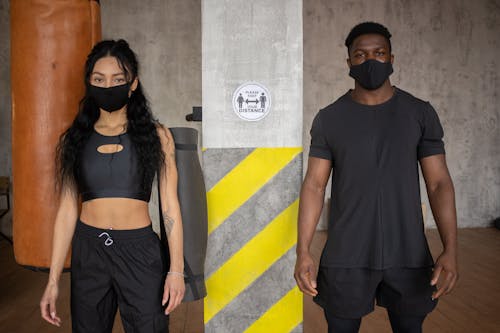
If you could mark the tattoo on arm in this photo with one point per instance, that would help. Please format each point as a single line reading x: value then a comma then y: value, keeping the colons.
x: 170, y: 160
x: 169, y: 153
x: 169, y: 223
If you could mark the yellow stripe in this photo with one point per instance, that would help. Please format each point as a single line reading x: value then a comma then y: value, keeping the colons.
x: 282, y: 317
x: 245, y: 180
x: 253, y: 259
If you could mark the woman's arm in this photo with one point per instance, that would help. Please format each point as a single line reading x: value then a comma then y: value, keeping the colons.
x: 64, y: 228
x: 174, y: 284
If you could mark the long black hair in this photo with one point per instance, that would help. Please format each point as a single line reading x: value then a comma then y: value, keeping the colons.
x: 141, y: 125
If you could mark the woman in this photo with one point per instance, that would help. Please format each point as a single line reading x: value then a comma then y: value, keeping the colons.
x: 109, y: 157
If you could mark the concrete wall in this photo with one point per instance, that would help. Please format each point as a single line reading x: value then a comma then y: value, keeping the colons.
x: 259, y: 41
x: 446, y: 52
x: 5, y: 101
x: 166, y: 36
x: 5, y: 107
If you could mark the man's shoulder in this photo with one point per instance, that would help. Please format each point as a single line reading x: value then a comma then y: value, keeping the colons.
x: 336, y: 105
x: 409, y: 99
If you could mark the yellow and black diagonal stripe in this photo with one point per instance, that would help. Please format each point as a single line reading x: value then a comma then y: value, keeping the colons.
x: 252, y: 213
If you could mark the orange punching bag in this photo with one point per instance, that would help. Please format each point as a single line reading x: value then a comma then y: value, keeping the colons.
x: 50, y: 40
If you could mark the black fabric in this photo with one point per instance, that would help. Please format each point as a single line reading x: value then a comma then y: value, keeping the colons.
x: 342, y: 325
x: 371, y: 73
x: 112, y: 269
x: 184, y: 146
x: 399, y: 323
x: 116, y: 175
x: 350, y: 292
x: 376, y: 218
x: 406, y: 324
x: 112, y: 98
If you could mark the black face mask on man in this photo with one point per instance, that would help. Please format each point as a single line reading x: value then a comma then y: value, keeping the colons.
x: 371, y: 74
x: 112, y: 98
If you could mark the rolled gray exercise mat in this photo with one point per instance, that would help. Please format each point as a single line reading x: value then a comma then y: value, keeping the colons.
x: 193, y: 202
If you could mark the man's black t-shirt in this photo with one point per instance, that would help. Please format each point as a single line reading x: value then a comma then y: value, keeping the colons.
x: 376, y: 216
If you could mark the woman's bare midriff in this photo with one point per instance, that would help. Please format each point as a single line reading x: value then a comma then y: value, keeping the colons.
x: 115, y: 213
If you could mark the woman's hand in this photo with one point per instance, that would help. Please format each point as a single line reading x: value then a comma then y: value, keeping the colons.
x: 173, y: 291
x: 48, y: 304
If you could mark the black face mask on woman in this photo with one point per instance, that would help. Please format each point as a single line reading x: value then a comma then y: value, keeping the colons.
x: 371, y: 74
x: 112, y: 98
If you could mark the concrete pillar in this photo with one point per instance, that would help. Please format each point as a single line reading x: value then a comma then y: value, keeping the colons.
x: 252, y: 162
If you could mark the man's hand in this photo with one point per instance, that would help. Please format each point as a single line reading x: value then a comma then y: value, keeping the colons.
x: 305, y: 274
x: 446, y: 268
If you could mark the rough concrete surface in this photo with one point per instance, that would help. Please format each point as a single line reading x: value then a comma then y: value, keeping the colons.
x: 252, y: 41
x: 5, y: 109
x: 166, y: 36
x: 445, y: 52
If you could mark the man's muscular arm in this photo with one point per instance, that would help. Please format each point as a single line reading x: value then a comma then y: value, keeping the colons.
x: 312, y: 195
x: 442, y: 199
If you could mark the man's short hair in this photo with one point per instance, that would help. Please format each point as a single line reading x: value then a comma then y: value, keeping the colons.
x: 367, y: 28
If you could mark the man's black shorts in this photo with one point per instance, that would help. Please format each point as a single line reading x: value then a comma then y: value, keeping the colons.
x: 117, y: 268
x: 350, y: 292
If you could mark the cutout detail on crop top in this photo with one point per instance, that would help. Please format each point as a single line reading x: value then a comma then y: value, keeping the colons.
x: 111, y: 175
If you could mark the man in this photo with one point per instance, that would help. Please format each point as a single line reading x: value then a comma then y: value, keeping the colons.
x: 373, y: 138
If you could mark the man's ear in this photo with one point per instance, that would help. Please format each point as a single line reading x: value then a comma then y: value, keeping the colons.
x: 348, y: 60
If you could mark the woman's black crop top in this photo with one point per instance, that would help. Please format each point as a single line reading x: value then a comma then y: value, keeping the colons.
x: 111, y: 175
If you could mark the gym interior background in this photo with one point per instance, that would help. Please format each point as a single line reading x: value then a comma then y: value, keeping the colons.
x: 446, y: 52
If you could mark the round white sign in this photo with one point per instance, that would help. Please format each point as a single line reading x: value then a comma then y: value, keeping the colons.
x: 251, y: 101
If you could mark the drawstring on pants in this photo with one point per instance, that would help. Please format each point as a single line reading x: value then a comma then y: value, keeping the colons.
x: 109, y: 240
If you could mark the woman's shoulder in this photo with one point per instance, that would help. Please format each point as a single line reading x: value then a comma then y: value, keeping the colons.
x: 162, y: 129
x: 164, y: 133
